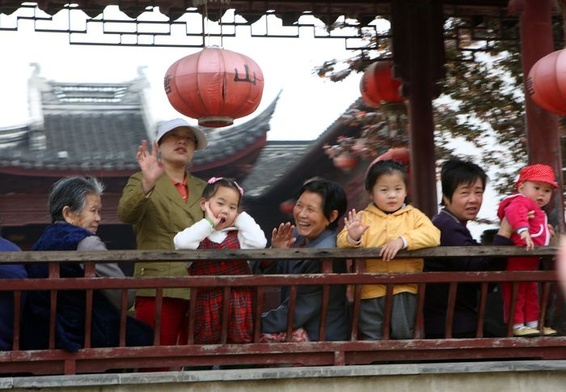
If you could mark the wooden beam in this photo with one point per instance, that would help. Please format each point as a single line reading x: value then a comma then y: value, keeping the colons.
x: 543, y: 136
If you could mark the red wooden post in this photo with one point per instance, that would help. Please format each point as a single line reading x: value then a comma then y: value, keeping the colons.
x: 419, y: 58
x: 543, y: 138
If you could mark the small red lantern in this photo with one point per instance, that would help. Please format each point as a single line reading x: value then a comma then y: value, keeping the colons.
x: 377, y: 84
x: 345, y: 161
x: 546, y: 83
x: 214, y: 86
x: 287, y: 206
x: 401, y: 155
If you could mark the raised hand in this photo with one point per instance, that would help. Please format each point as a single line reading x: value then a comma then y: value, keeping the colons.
x: 151, y: 166
x: 353, y: 223
x: 283, y: 236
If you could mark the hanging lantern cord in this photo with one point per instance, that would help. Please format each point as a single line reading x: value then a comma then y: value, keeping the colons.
x: 220, y: 24
x: 207, y: 34
x: 197, y: 3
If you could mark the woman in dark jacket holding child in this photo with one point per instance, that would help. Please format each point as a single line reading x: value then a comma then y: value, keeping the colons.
x: 74, y: 205
x: 463, y: 187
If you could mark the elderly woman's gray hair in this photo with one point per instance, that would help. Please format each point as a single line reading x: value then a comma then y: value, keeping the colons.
x: 72, y: 192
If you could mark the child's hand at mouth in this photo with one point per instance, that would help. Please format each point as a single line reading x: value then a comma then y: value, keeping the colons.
x: 209, y: 215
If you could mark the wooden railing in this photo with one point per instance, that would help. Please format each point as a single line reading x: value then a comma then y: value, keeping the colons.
x: 331, y: 353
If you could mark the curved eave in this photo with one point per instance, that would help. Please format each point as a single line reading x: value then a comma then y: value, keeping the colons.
x: 250, y: 135
x: 314, y: 161
x: 249, y: 150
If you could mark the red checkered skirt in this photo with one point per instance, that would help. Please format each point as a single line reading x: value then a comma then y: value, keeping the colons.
x: 210, y: 301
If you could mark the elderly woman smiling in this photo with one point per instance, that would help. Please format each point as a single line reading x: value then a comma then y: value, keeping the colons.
x: 74, y: 205
x: 317, y: 211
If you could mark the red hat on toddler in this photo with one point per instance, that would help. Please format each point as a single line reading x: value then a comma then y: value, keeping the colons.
x: 537, y: 173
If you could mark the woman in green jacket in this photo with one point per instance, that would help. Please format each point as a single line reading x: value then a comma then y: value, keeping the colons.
x: 160, y: 201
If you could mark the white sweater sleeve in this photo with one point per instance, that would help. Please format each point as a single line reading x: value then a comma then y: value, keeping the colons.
x: 191, y: 237
x: 250, y: 234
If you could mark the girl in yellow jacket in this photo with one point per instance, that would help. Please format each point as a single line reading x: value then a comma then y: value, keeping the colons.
x: 388, y: 222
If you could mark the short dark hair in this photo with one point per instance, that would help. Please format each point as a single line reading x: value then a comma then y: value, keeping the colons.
x: 333, y: 197
x: 455, y: 172
x: 72, y: 192
x: 387, y: 166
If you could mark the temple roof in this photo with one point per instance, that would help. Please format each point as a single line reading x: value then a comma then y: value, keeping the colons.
x: 95, y: 128
x: 275, y: 159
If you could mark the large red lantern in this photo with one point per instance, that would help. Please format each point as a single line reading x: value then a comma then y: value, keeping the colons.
x: 546, y: 83
x: 377, y: 84
x: 214, y: 86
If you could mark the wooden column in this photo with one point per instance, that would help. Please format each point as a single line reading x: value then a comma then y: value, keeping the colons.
x: 418, y: 50
x: 543, y: 137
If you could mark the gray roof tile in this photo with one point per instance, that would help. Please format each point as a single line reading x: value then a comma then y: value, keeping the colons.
x: 93, y: 127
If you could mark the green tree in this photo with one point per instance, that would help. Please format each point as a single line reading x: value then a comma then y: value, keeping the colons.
x: 482, y: 103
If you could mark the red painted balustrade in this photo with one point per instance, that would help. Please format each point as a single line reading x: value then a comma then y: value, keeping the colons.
x: 256, y: 354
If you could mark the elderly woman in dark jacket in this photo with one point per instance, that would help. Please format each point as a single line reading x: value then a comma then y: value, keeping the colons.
x: 74, y: 205
x: 320, y: 205
x: 7, y: 307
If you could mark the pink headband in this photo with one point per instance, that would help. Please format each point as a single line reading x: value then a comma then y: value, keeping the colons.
x: 214, y: 179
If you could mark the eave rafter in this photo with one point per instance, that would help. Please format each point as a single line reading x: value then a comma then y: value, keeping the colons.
x: 179, y: 23
x: 251, y: 10
x: 327, y: 11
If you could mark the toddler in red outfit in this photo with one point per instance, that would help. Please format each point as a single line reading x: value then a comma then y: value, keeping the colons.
x: 523, y: 211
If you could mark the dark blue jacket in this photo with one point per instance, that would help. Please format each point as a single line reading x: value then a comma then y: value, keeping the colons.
x: 309, y: 298
x: 71, y: 304
x: 9, y: 271
x: 455, y: 233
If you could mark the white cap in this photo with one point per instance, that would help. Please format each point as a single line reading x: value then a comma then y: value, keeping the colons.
x: 166, y: 126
